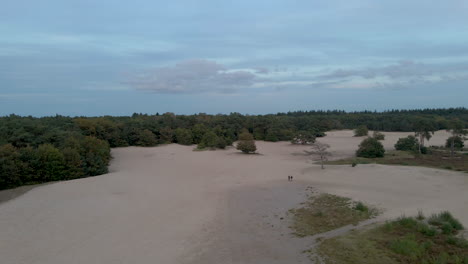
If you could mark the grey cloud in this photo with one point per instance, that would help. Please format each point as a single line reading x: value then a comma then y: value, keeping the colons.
x: 403, y: 69
x: 193, y: 76
x: 261, y: 70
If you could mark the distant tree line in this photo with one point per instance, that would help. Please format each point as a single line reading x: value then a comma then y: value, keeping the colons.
x: 34, y: 150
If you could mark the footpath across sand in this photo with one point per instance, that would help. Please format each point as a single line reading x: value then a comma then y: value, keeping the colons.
x: 169, y: 204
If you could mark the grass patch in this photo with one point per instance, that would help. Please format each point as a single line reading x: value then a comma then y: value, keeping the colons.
x: 436, y: 159
x: 404, y: 240
x: 326, y: 212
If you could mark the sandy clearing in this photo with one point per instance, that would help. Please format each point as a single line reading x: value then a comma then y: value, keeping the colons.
x: 170, y: 204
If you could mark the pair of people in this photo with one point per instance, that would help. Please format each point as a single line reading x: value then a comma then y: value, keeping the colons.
x: 290, y: 178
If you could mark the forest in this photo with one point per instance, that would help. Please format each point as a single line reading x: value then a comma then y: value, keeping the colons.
x: 36, y: 150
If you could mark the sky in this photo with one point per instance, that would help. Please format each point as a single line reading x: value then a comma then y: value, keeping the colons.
x: 107, y: 57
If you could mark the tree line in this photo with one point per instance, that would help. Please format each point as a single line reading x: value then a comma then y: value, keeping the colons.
x: 34, y: 150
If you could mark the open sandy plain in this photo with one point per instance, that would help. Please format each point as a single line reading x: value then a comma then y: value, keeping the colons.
x: 169, y: 204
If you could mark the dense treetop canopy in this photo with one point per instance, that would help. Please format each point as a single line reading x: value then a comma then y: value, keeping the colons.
x: 59, y: 147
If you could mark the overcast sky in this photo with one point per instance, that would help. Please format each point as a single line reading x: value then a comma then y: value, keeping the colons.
x: 107, y: 57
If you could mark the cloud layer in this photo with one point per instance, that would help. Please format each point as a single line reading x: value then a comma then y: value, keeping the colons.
x: 193, y: 76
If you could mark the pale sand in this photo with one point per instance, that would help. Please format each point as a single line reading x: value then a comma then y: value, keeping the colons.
x: 169, y: 204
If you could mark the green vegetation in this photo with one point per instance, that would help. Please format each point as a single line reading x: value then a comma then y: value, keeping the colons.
x: 379, y: 136
x: 424, y: 129
x: 246, y: 143
x: 455, y: 143
x: 409, y: 143
x: 326, y: 212
x: 458, y: 131
x: 370, y: 148
x: 21, y: 137
x: 405, y: 240
x: 212, y: 141
x: 436, y: 159
x: 361, y: 131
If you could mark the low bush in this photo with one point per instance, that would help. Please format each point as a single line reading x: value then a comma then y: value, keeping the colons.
x: 409, y: 143
x: 379, y: 136
x: 361, y: 131
x: 370, y: 148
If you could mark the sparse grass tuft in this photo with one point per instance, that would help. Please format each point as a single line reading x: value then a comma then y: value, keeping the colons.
x: 361, y: 207
x: 420, y: 215
x: 408, y: 246
x: 445, y: 219
x: 405, y: 240
x: 326, y: 212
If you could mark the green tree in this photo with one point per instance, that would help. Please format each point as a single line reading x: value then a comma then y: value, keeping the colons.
x: 73, y: 163
x: 424, y: 129
x: 212, y: 141
x: 458, y: 131
x: 146, y: 138
x: 183, y: 136
x: 10, y: 167
x: 246, y: 142
x: 166, y: 135
x: 455, y: 143
x: 370, y: 148
x: 198, y: 131
x: 51, y: 164
x: 409, y: 143
x: 96, y: 156
x: 361, y: 131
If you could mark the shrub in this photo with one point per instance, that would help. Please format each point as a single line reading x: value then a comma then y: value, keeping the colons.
x: 212, y: 141
x: 427, y: 230
x: 303, y: 138
x: 246, y: 142
x: 361, y: 207
x: 370, y: 148
x: 447, y: 228
x: 409, y: 143
x: 379, y: 136
x: 361, y: 131
x: 407, y: 222
x: 407, y: 246
x: 444, y: 218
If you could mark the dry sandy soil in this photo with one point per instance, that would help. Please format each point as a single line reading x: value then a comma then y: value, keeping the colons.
x: 170, y: 204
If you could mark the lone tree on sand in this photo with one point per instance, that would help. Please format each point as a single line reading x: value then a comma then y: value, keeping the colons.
x: 319, y: 149
x: 423, y: 129
x: 458, y: 131
x: 370, y: 148
x: 246, y: 143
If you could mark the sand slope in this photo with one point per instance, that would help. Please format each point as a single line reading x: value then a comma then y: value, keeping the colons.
x: 169, y: 204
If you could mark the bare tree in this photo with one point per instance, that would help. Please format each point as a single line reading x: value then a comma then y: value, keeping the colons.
x: 319, y: 149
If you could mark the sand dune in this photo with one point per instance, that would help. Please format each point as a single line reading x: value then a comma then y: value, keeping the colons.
x: 169, y: 204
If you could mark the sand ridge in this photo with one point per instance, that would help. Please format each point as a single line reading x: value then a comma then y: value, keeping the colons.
x: 169, y: 204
